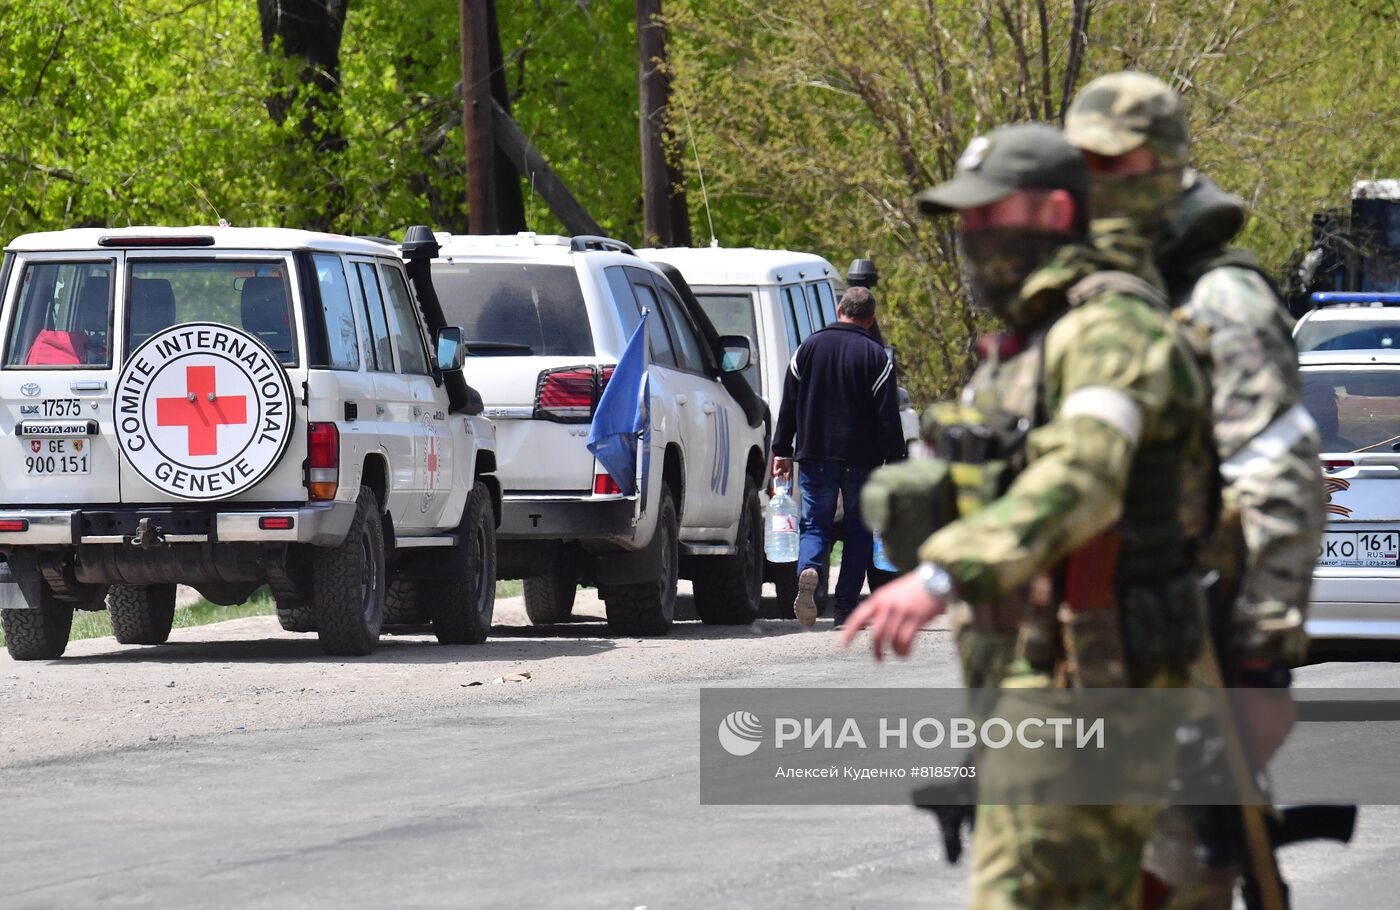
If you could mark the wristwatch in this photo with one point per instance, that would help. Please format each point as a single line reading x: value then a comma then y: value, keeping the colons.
x: 935, y: 579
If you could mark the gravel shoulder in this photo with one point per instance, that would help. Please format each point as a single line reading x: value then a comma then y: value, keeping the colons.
x: 247, y: 675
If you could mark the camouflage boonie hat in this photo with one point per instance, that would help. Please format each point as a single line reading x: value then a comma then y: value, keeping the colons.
x: 1117, y: 113
x: 1020, y: 156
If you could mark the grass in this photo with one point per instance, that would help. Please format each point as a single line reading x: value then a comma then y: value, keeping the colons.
x: 202, y: 613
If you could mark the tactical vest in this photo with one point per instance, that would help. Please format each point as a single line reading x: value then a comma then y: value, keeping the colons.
x: 1158, y: 621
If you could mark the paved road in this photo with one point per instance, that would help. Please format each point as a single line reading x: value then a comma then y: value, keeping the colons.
x: 575, y: 788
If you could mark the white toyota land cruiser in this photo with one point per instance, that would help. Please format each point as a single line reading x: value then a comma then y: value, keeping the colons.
x: 547, y: 319
x: 231, y: 407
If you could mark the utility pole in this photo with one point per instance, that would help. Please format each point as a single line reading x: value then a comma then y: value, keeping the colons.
x: 477, y: 114
x: 666, y: 216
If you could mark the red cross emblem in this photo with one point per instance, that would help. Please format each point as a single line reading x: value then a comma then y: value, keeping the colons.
x: 432, y: 461
x: 201, y: 412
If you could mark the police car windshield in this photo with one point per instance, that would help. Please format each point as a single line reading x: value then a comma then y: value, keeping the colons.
x: 1355, y: 410
x: 246, y: 294
x: 1348, y: 335
x: 515, y: 309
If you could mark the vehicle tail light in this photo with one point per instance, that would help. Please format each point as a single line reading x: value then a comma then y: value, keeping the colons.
x: 275, y: 523
x: 604, y: 485
x: 14, y: 524
x: 570, y: 394
x: 323, y: 462
x: 1331, y: 465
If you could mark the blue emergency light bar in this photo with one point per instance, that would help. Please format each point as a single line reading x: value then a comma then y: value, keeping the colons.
x: 1385, y: 299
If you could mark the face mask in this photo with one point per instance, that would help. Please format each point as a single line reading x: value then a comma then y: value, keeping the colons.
x: 999, y: 260
x: 1144, y: 198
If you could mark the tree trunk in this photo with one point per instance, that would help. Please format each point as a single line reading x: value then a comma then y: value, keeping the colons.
x: 666, y: 216
x: 309, y: 31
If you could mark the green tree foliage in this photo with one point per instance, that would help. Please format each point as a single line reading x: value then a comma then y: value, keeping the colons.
x: 816, y: 122
x: 819, y: 121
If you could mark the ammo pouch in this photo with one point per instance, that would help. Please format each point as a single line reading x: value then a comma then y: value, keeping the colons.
x: 905, y: 504
x: 1163, y: 626
x: 984, y: 449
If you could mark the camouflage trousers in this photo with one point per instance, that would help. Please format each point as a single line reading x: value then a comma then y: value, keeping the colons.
x: 1050, y: 857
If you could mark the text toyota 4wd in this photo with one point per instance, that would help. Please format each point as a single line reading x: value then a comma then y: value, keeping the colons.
x: 547, y: 319
x: 231, y: 407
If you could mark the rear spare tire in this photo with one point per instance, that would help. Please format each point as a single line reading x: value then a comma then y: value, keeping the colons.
x: 648, y: 607
x: 462, y: 598
x: 728, y: 588
x: 347, y: 584
x: 40, y: 634
x: 141, y: 614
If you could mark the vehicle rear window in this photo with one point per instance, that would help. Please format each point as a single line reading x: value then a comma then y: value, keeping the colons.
x: 516, y: 308
x: 249, y: 294
x: 64, y: 316
x: 1348, y: 335
x: 733, y: 314
x: 1355, y: 410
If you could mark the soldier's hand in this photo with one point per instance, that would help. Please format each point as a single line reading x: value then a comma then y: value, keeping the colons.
x: 895, y: 613
x: 782, y: 468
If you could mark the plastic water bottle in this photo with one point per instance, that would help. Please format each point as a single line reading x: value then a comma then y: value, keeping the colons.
x: 881, y: 558
x: 780, y: 525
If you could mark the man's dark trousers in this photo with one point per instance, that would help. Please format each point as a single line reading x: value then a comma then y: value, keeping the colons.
x: 819, y: 481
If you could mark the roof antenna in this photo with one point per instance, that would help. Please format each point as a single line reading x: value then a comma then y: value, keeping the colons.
x: 205, y: 198
x: 530, y: 219
x: 714, y: 241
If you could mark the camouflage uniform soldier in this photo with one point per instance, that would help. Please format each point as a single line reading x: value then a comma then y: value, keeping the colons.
x: 1132, y: 128
x: 1108, y: 404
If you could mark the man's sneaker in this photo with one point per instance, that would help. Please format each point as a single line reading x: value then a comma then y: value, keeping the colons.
x: 805, y: 606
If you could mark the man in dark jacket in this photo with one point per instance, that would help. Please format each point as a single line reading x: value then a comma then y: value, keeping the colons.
x: 840, y: 402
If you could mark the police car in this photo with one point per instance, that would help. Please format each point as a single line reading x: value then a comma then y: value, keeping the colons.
x: 232, y: 407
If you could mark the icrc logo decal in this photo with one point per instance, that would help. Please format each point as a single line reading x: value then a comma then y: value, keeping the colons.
x: 204, y: 411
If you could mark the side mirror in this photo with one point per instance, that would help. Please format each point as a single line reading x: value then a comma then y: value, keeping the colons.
x: 451, y: 351
x: 737, y: 352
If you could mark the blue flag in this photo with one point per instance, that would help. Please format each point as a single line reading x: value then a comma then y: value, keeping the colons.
x: 623, y: 418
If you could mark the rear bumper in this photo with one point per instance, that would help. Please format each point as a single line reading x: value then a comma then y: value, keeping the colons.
x: 1355, y: 604
x: 567, y: 517
x: 321, y: 524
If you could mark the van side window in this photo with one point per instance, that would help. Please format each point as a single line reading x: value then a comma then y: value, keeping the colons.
x: 828, y: 298
x: 795, y: 309
x: 375, y: 318
x: 64, y: 316
x: 408, y: 338
x: 814, y: 307
x: 342, y: 341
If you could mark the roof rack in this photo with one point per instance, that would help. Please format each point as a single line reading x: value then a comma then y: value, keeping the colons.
x: 1324, y: 298
x: 585, y: 242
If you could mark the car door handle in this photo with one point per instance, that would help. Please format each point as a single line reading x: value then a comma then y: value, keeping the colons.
x: 88, y: 385
x: 681, y: 400
x: 708, y: 407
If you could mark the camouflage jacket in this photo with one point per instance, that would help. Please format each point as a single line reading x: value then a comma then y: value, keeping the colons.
x: 1266, y: 441
x: 1115, y: 394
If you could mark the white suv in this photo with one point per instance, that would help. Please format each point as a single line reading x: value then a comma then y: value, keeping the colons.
x: 231, y: 407
x: 777, y: 297
x: 547, y: 319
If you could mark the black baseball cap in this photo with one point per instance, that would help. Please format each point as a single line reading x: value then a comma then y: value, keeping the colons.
x: 1019, y: 156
